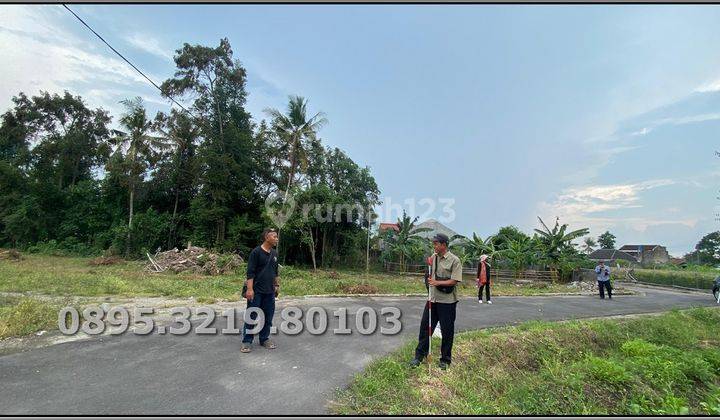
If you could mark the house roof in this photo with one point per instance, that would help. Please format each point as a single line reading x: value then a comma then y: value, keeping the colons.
x: 636, y: 248
x: 435, y: 228
x: 386, y: 226
x: 611, y: 254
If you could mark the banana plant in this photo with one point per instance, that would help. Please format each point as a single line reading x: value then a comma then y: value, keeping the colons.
x: 557, y: 242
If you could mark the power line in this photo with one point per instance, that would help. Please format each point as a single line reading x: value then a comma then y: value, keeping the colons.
x: 126, y: 60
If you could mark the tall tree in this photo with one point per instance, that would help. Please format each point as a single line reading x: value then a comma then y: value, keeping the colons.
x: 297, y: 131
x: 216, y: 82
x: 607, y: 240
x: 182, y: 135
x: 135, y: 151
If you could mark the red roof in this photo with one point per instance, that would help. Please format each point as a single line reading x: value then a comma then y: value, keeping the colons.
x: 386, y: 226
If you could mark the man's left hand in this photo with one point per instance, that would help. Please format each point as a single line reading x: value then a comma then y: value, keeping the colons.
x: 432, y: 282
x: 277, y: 291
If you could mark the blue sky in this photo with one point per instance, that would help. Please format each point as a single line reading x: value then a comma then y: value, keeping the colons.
x: 606, y: 116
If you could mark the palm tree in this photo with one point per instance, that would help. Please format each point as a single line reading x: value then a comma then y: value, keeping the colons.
x: 556, y: 242
x: 589, y: 245
x: 140, y: 149
x: 405, y: 241
x: 180, y: 134
x: 296, y: 131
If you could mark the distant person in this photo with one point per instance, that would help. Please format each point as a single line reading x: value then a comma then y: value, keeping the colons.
x: 603, y: 278
x: 446, y: 272
x: 262, y: 288
x: 483, y: 279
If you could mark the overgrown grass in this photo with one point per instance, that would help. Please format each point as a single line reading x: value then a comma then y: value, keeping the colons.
x: 75, y: 276
x: 696, y: 279
x: 668, y: 364
x: 23, y: 316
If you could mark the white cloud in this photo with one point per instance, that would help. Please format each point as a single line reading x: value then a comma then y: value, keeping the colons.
x: 713, y: 86
x: 641, y: 132
x: 150, y: 45
x: 596, y: 198
x: 582, y: 206
x: 39, y: 54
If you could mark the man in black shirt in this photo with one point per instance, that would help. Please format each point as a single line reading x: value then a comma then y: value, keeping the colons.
x: 262, y: 287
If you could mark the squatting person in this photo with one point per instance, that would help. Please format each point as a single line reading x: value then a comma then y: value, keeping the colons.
x: 603, y: 279
x: 446, y: 273
x: 263, y: 284
x: 483, y: 279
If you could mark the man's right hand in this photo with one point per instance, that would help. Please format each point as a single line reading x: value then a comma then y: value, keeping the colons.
x: 249, y: 294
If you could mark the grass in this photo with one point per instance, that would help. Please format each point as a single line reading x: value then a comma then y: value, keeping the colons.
x: 23, y: 316
x: 668, y: 364
x: 75, y: 276
x: 696, y: 279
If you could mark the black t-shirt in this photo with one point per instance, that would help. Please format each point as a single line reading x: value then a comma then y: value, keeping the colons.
x: 262, y: 268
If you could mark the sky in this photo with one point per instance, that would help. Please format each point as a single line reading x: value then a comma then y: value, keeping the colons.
x: 604, y: 116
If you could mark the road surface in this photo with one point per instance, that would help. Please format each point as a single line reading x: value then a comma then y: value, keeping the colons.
x: 206, y: 374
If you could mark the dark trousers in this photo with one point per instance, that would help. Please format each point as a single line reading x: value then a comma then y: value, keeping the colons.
x: 266, y: 302
x: 445, y: 314
x: 486, y: 286
x: 602, y: 285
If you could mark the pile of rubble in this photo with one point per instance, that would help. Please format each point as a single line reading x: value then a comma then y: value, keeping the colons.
x: 584, y: 286
x: 10, y: 254
x: 193, y: 259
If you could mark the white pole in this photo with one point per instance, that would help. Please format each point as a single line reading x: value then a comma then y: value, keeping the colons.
x: 429, y: 322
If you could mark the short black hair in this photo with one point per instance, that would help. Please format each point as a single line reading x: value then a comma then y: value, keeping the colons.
x: 266, y: 232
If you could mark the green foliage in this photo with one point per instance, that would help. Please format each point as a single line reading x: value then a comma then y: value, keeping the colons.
x: 696, y: 279
x: 707, y: 250
x: 606, y: 240
x: 406, y: 244
x: 25, y: 316
x: 148, y: 233
x: 616, y: 367
x: 69, y: 185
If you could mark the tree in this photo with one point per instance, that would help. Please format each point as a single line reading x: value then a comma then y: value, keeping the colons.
x: 589, y: 245
x: 296, y: 131
x: 135, y: 151
x: 556, y: 243
x: 606, y: 240
x: 707, y: 250
x: 216, y: 83
x: 72, y: 139
x: 181, y: 169
x: 48, y: 143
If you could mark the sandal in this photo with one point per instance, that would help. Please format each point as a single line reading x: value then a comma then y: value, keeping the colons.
x: 268, y: 344
x: 245, y: 348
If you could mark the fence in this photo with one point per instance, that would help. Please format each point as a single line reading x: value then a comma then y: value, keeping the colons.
x: 471, y: 272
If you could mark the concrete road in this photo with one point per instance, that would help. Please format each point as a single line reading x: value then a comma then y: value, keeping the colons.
x: 206, y: 374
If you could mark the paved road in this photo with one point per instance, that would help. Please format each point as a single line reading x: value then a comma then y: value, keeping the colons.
x: 193, y: 374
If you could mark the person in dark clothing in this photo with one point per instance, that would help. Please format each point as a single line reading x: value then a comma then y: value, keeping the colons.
x: 262, y: 288
x: 483, y: 279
